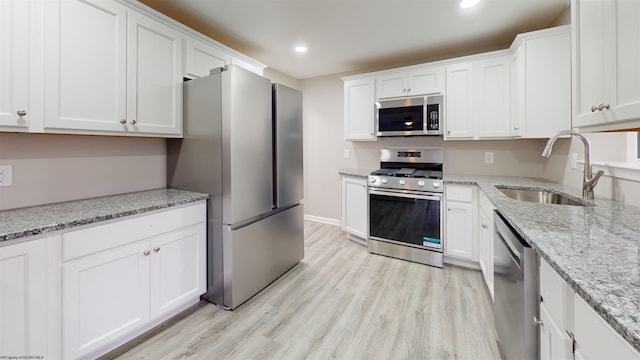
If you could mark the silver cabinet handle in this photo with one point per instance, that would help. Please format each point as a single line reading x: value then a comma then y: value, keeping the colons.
x: 133, y: 122
x: 123, y: 121
x: 146, y: 252
x: 599, y: 107
x: 21, y: 113
x: 537, y: 321
x: 156, y: 249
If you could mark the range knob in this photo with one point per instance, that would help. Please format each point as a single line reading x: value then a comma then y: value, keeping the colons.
x: 402, y: 182
x: 421, y: 183
x: 372, y: 179
x: 384, y: 181
x: 436, y: 184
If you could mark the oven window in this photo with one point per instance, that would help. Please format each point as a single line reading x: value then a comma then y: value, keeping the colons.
x: 409, y: 220
x: 409, y: 118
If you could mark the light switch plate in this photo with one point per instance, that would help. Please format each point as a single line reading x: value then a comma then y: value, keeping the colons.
x: 346, y: 153
x: 6, y: 175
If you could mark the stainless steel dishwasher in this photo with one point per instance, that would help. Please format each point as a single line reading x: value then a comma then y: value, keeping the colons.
x: 516, y: 293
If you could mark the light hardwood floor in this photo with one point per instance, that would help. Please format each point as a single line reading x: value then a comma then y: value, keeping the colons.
x: 340, y: 302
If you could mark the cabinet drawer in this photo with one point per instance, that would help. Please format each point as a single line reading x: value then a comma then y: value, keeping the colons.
x: 462, y: 193
x: 107, y: 236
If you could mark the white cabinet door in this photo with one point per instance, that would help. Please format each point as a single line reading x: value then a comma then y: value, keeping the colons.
x: 486, y: 249
x: 555, y: 343
x: 423, y: 81
x: 459, y: 240
x: 392, y: 85
x: 200, y: 58
x: 14, y: 64
x: 359, y: 109
x: 596, y: 339
x: 85, y: 65
x: 104, y: 297
x: 518, y: 93
x: 154, y: 77
x: 354, y: 206
x: 459, y: 122
x: 607, y: 57
x: 23, y: 298
x: 178, y: 268
x: 492, y: 97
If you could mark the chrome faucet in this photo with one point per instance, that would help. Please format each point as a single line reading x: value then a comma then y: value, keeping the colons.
x: 589, y: 180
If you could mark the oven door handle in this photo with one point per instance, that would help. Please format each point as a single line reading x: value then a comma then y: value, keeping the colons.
x: 406, y: 194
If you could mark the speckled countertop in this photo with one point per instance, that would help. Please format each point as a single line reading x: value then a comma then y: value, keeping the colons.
x: 23, y: 222
x: 363, y: 173
x: 595, y: 248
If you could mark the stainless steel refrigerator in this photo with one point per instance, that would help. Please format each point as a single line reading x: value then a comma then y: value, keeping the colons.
x: 243, y: 145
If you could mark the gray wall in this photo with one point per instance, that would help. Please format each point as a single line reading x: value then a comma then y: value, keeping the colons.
x: 53, y: 168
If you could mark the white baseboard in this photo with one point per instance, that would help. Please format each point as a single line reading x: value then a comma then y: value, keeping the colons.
x: 323, y: 220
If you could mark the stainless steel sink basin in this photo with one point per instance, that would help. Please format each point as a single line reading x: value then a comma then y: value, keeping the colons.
x: 539, y: 196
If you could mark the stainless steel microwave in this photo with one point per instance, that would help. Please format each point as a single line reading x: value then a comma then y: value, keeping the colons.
x: 410, y: 116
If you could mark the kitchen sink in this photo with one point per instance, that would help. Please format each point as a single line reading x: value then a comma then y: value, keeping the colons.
x: 539, y: 196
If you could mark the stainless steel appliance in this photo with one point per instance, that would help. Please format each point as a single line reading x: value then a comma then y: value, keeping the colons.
x: 243, y: 145
x: 405, y: 216
x: 516, y: 293
x: 410, y: 116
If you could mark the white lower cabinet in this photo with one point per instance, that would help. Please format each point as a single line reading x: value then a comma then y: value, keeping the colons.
x: 563, y: 312
x: 485, y: 245
x: 119, y: 277
x: 460, y: 235
x: 354, y: 206
x: 596, y: 339
x: 23, y: 299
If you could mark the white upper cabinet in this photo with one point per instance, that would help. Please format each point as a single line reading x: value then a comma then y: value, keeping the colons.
x: 541, y: 83
x: 14, y: 64
x: 154, y: 77
x: 493, y: 97
x: 419, y: 81
x: 86, y: 65
x: 459, y: 102
x: 359, y: 109
x: 478, y: 99
x: 111, y: 69
x: 607, y: 74
x: 201, y: 57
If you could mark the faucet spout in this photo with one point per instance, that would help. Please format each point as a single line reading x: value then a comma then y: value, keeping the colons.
x: 589, y: 181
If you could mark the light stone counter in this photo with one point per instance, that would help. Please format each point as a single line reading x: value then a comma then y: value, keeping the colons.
x: 23, y: 222
x: 362, y: 173
x: 595, y: 248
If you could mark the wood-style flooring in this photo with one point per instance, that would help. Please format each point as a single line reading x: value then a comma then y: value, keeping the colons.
x: 340, y: 302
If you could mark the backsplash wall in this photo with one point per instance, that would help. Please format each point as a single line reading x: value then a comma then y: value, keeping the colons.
x: 54, y: 168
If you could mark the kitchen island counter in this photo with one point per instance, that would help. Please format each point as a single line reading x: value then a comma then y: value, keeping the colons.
x: 34, y: 220
x: 595, y: 248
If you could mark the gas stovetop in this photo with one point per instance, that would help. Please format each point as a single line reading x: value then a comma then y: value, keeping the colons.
x: 416, y: 170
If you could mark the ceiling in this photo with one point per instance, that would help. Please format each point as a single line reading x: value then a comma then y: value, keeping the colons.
x: 346, y: 36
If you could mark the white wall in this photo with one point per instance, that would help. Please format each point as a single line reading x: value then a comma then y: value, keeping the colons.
x: 53, y: 168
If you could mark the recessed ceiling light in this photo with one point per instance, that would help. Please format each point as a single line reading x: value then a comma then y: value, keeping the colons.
x: 468, y: 3
x: 301, y: 49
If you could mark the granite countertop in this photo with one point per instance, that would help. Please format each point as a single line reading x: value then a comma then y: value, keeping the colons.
x: 363, y: 173
x: 23, y: 222
x: 595, y: 248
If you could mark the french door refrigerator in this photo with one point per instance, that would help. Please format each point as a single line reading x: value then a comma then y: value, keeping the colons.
x: 243, y: 145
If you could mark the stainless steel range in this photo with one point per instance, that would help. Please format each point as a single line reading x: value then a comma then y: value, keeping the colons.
x: 405, y: 216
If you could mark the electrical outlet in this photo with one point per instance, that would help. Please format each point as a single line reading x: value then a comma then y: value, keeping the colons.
x: 6, y: 175
x: 574, y: 161
x: 346, y: 153
x: 488, y: 158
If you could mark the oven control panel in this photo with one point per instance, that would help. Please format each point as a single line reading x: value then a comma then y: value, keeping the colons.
x: 400, y: 183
